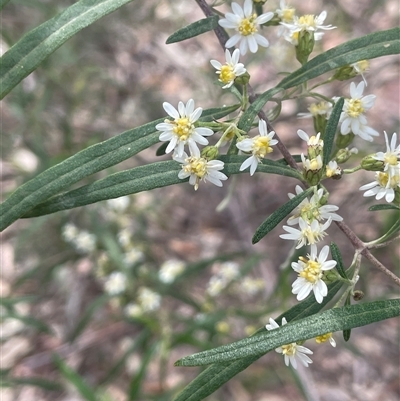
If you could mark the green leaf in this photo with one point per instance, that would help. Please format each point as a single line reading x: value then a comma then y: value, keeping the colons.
x: 347, y: 332
x: 195, y: 29
x: 386, y: 206
x: 335, y: 319
x: 48, y: 385
x: 34, y: 47
x: 337, y: 256
x: 330, y: 131
x: 86, y: 162
x: 370, y: 46
x: 275, y: 218
x: 216, y: 375
x: 143, y: 178
x: 233, y: 163
x: 75, y: 379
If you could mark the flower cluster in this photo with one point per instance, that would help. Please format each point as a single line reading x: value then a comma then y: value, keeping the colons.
x: 181, y: 131
x: 226, y: 273
x: 81, y: 240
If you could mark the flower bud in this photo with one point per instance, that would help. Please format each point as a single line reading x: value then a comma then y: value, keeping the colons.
x: 330, y: 276
x: 344, y: 73
x: 210, y: 152
x: 343, y: 155
x: 305, y: 46
x: 369, y: 163
x: 320, y: 122
x: 243, y: 79
x: 342, y: 141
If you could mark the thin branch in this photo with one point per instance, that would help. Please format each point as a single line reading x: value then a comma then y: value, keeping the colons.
x: 363, y: 250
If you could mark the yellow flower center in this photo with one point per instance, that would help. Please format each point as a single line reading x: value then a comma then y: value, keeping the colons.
x: 248, y: 26
x: 307, y: 20
x: 315, y: 164
x: 318, y: 108
x: 324, y: 338
x: 261, y: 146
x: 383, y: 179
x: 183, y: 128
x: 289, y: 349
x: 310, y: 212
x: 355, y: 108
x: 312, y: 271
x: 362, y: 66
x: 197, y: 166
x: 287, y: 14
x: 390, y: 158
x: 227, y: 75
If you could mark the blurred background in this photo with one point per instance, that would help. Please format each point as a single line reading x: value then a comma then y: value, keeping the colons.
x: 100, y: 301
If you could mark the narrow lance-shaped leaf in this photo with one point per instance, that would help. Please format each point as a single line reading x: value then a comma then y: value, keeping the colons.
x: 75, y: 379
x: 219, y: 373
x: 370, y: 46
x: 386, y: 206
x: 330, y: 131
x: 195, y: 29
x: 337, y: 256
x: 142, y: 178
x: 275, y: 218
x: 34, y: 47
x: 86, y: 162
x: 333, y: 320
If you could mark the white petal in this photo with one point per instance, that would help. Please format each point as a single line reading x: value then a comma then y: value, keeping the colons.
x: 261, y: 40
x: 233, y: 40
x: 171, y: 110
x: 238, y: 10
x: 189, y: 110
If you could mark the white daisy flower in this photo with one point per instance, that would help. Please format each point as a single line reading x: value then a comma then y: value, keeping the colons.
x: 230, y: 70
x: 333, y: 170
x: 216, y: 285
x: 148, y: 299
x: 352, y: 118
x: 392, y: 155
x: 318, y: 109
x: 259, y: 146
x: 313, y: 141
x: 306, y: 23
x: 308, y: 234
x: 170, y: 270
x: 181, y: 130
x: 312, y: 209
x: 314, y: 164
x: 197, y: 168
x: 326, y: 337
x: 85, y: 242
x: 311, y: 271
x: 115, y: 283
x: 285, y: 12
x: 291, y: 352
x: 385, y: 185
x: 246, y: 23
x: 69, y: 232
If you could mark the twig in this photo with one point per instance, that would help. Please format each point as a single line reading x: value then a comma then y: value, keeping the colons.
x: 219, y: 31
x: 380, y: 266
